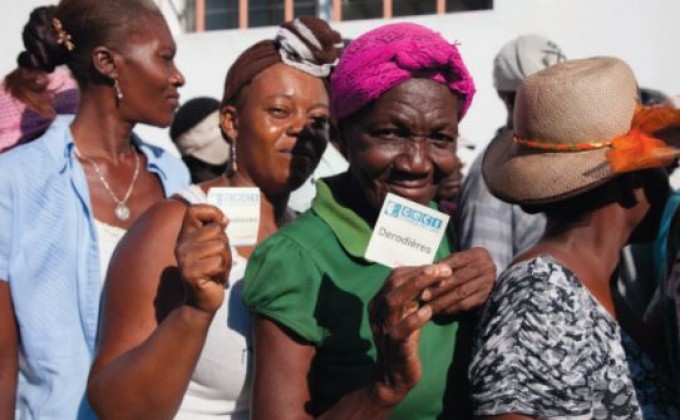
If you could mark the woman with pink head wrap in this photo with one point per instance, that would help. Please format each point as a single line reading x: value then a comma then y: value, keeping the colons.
x: 336, y: 334
x: 394, y: 54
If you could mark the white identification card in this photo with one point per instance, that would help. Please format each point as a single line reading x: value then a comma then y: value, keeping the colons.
x: 406, y: 233
x: 242, y: 206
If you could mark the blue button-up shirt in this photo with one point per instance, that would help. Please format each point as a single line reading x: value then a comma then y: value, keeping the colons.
x: 49, y: 256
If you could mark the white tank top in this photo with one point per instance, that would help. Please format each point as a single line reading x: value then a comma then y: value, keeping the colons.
x: 220, y: 385
x: 108, y: 237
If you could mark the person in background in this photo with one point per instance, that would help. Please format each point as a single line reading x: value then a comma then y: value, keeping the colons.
x: 652, y: 97
x: 67, y: 197
x: 174, y: 329
x: 336, y: 335
x: 449, y: 188
x: 481, y: 219
x: 197, y: 135
x: 663, y: 312
x: 637, y: 273
x: 551, y: 341
x: 448, y: 191
x: 26, y: 117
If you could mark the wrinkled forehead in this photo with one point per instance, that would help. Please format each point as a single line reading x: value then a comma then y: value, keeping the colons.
x: 412, y: 99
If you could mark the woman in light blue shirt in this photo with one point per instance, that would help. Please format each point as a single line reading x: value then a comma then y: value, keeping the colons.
x: 68, y: 197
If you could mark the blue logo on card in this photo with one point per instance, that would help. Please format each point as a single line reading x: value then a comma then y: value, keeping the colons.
x: 412, y: 215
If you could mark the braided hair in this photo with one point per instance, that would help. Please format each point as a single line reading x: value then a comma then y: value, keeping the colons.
x: 67, y: 34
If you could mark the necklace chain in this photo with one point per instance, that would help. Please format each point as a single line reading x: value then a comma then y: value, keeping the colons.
x: 122, y: 211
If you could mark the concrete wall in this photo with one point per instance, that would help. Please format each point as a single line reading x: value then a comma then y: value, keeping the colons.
x: 642, y: 33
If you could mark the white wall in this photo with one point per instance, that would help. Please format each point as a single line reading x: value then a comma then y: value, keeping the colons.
x: 640, y: 32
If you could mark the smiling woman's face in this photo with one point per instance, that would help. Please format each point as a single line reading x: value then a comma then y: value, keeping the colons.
x: 280, y: 128
x: 404, y: 142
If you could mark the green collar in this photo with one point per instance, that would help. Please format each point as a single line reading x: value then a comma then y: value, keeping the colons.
x: 351, y: 230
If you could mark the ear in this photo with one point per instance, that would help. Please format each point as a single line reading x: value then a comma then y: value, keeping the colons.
x: 104, y: 61
x: 229, y: 122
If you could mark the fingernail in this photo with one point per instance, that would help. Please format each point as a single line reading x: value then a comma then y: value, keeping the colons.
x: 425, y: 311
x: 445, y: 270
x: 426, y: 295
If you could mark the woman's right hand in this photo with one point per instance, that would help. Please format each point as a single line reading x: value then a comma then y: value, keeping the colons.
x: 203, y: 256
x: 397, y: 314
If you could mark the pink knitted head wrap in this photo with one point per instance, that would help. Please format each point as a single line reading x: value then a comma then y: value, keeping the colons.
x: 19, y: 124
x: 392, y: 54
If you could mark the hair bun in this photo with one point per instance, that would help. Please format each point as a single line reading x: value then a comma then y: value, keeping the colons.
x: 43, y: 51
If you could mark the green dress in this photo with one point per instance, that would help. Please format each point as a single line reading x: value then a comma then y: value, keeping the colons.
x: 311, y: 278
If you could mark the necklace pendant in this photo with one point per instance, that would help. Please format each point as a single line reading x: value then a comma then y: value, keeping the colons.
x: 122, y: 212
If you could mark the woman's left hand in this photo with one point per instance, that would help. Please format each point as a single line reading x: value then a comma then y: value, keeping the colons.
x: 468, y: 287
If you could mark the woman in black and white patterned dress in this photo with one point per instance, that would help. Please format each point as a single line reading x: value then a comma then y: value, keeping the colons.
x: 552, y: 343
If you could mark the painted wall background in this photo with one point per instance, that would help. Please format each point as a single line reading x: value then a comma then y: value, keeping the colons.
x: 642, y: 33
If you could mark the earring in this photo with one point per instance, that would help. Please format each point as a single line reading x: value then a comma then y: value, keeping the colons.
x: 119, y: 93
x: 233, y: 158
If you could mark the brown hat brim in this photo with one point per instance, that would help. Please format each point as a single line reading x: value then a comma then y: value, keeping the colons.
x: 520, y: 176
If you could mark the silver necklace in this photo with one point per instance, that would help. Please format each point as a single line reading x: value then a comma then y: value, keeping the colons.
x: 122, y: 211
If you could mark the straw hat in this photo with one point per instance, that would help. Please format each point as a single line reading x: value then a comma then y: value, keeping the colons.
x: 567, y: 117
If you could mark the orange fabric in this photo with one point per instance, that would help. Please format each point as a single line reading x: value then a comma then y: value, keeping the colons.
x: 560, y: 147
x: 638, y: 149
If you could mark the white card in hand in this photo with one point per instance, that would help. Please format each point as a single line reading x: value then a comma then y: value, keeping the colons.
x: 406, y: 233
x: 242, y: 206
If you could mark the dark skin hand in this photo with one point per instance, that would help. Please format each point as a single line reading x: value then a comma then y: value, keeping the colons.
x: 396, y: 320
x: 467, y: 287
x: 160, y: 316
x: 9, y: 353
x: 459, y: 282
x: 203, y: 256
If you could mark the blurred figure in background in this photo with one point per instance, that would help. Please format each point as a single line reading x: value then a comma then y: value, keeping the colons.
x: 652, y: 97
x: 27, y: 115
x: 482, y: 219
x: 197, y: 135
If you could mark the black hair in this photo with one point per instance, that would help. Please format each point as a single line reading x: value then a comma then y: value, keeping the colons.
x: 86, y: 24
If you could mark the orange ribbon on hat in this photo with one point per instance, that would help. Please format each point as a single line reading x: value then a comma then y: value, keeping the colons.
x: 638, y: 149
